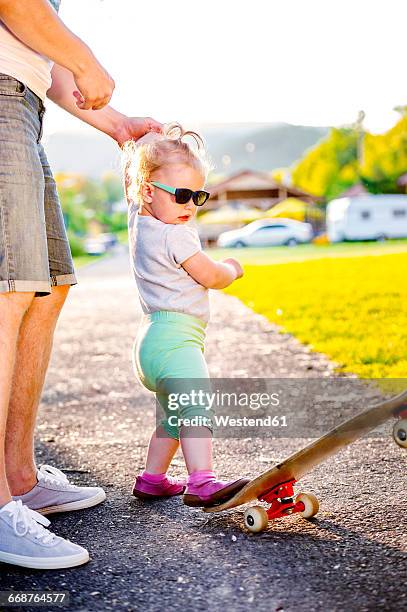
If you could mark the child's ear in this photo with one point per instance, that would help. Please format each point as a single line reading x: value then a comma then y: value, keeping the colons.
x: 147, y: 192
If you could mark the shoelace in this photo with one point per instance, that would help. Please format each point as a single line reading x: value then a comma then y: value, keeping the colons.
x: 55, y: 476
x: 26, y: 521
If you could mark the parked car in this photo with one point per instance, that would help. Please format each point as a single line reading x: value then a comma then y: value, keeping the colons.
x: 100, y: 244
x: 367, y: 217
x: 267, y: 232
x: 94, y: 246
x: 110, y: 240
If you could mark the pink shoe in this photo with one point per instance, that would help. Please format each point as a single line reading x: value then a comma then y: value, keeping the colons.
x: 154, y: 486
x: 204, y: 490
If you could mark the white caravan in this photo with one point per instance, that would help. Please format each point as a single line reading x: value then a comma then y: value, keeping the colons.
x: 367, y: 217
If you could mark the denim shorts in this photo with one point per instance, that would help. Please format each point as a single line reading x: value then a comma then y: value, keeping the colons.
x: 34, y: 248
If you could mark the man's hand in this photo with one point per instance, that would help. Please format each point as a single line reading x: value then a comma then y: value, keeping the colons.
x: 133, y: 128
x: 108, y: 120
x: 95, y: 87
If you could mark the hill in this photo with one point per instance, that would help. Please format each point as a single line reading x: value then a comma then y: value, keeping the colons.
x: 232, y: 147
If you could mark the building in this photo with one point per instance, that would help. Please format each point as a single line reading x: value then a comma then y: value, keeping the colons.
x: 256, y: 189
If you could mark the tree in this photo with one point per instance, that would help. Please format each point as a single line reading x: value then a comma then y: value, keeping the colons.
x: 331, y: 166
x: 349, y: 155
x: 385, y: 157
x: 70, y: 190
x: 113, y: 188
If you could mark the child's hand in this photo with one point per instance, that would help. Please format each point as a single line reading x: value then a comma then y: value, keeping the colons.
x: 236, y: 265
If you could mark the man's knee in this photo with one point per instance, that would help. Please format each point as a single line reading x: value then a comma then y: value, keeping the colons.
x: 14, y: 305
x: 60, y: 293
x: 45, y: 310
x: 52, y: 303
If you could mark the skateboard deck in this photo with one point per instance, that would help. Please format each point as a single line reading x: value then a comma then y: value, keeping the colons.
x: 275, y: 486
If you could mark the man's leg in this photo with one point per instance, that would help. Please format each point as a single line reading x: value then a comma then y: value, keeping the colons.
x: 13, y: 307
x: 23, y: 538
x: 32, y: 357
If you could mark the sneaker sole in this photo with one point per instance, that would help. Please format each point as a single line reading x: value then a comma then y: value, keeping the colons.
x: 45, y: 562
x: 72, y: 506
x: 150, y: 496
x: 217, y: 498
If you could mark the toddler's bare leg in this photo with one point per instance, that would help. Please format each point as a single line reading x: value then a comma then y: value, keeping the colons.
x: 197, y: 449
x: 161, y: 450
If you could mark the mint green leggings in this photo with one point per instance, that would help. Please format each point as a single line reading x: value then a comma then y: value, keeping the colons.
x: 168, y: 359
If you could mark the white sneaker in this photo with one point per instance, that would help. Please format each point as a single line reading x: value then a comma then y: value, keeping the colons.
x: 24, y: 541
x: 54, y: 493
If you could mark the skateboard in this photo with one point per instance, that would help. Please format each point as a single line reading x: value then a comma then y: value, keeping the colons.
x: 276, y: 485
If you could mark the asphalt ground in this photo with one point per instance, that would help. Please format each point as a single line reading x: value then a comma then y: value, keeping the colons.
x: 94, y: 423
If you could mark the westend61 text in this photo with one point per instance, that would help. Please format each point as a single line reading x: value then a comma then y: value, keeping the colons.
x: 227, y: 421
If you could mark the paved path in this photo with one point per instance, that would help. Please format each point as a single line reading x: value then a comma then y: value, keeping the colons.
x: 95, y: 421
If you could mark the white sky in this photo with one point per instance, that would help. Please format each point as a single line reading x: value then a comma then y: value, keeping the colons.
x: 312, y: 62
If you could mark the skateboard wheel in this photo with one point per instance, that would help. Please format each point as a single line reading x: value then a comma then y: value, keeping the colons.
x: 256, y: 519
x: 400, y: 433
x: 311, y: 504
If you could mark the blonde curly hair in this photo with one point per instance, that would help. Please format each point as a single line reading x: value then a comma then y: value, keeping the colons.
x: 153, y: 151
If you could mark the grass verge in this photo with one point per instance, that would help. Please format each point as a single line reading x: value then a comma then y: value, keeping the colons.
x: 353, y: 309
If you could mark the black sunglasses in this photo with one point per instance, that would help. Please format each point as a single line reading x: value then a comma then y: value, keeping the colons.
x: 182, y: 196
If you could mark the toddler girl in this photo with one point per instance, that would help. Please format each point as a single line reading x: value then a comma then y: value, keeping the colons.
x: 164, y: 178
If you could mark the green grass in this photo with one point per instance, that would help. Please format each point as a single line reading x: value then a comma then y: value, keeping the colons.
x: 353, y: 309
x: 122, y: 236
x: 84, y: 260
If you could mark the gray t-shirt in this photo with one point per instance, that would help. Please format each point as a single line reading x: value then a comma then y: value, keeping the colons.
x: 157, y: 251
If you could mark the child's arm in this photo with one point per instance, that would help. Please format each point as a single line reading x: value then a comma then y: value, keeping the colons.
x: 212, y: 274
